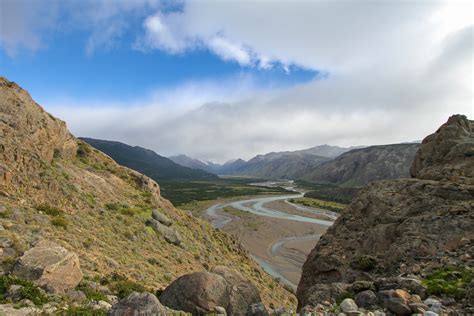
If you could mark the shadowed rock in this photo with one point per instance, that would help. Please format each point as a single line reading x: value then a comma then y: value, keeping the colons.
x: 138, y: 304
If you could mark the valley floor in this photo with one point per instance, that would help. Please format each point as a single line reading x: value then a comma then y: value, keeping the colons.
x: 278, y: 234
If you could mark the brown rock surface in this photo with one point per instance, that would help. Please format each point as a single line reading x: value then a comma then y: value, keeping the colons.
x: 50, y: 266
x: 406, y: 225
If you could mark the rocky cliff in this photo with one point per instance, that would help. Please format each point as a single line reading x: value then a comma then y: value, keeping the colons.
x: 421, y: 227
x: 54, y: 187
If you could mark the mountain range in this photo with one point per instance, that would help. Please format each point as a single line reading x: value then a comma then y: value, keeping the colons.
x: 148, y: 162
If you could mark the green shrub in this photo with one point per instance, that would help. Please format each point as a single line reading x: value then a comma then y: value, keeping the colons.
x: 83, y: 150
x: 92, y: 294
x: 449, y: 281
x: 364, y: 262
x: 121, y: 285
x: 49, y: 210
x: 60, y: 222
x: 29, y: 291
x: 80, y: 311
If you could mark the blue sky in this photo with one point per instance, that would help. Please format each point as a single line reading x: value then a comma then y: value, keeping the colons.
x: 219, y: 80
x: 63, y: 68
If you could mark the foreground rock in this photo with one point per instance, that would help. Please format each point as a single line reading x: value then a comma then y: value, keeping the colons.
x: 207, y: 292
x: 412, y: 226
x: 50, y: 266
x: 138, y: 304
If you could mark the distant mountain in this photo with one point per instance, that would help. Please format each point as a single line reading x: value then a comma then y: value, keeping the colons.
x: 284, y: 165
x: 361, y: 166
x: 189, y: 162
x: 148, y: 162
x: 326, y: 150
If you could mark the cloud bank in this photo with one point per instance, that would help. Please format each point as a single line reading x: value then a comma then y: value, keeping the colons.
x: 396, y: 71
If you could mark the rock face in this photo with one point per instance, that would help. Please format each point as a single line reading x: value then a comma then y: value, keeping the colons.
x: 423, y: 223
x: 27, y: 131
x: 447, y: 154
x: 50, y: 266
x: 138, y: 304
x: 206, y: 292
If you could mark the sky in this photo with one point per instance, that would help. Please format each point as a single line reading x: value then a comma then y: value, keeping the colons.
x: 219, y: 80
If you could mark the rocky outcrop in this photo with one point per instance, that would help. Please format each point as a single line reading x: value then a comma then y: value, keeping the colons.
x: 403, y: 226
x: 168, y: 233
x: 447, y: 154
x: 50, y: 266
x: 138, y: 304
x: 206, y: 292
x: 26, y: 131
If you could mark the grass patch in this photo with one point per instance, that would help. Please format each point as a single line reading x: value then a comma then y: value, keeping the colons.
x: 92, y: 294
x: 317, y: 203
x: 49, y: 210
x: 29, y: 291
x: 181, y: 192
x: 364, y: 262
x: 60, y: 222
x: 121, y: 285
x: 450, y: 281
x: 80, y: 311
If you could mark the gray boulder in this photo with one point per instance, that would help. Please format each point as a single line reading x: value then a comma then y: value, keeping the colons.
x: 348, y: 305
x: 160, y: 217
x: 398, y: 306
x: 366, y: 299
x: 168, y: 233
x: 50, y: 266
x: 138, y: 304
x: 257, y: 309
x: 203, y: 292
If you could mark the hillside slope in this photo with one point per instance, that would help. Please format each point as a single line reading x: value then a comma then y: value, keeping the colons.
x: 147, y: 161
x: 420, y: 228
x: 358, y: 167
x: 56, y: 187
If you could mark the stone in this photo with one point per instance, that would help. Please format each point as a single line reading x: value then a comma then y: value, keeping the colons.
x: 168, y: 233
x: 348, y: 305
x: 202, y: 292
x: 325, y: 292
x: 418, y: 308
x: 401, y: 294
x: 433, y: 304
x: 360, y: 286
x: 138, y: 304
x: 220, y: 310
x: 100, y: 305
x: 50, y: 266
x: 5, y: 242
x: 27, y: 302
x: 75, y: 295
x: 257, y: 309
x: 366, y: 299
x: 160, y: 217
x: 14, y: 292
x: 429, y: 313
x: 398, y: 306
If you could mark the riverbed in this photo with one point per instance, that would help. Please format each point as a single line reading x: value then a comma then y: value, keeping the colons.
x: 278, y: 234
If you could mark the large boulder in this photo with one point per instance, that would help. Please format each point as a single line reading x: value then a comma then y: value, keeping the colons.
x: 160, y: 217
x: 138, y: 304
x: 207, y: 292
x: 50, y: 266
x: 168, y: 233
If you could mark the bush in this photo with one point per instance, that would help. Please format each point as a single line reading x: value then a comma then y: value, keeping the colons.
x: 121, y: 285
x: 450, y: 281
x: 81, y: 311
x: 60, y: 222
x: 29, y: 291
x: 92, y: 294
x: 49, y: 210
x: 364, y: 262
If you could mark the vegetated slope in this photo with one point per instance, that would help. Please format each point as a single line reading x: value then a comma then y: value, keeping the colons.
x: 56, y: 187
x: 417, y: 227
x: 147, y: 161
x: 279, y: 165
x: 358, y: 167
